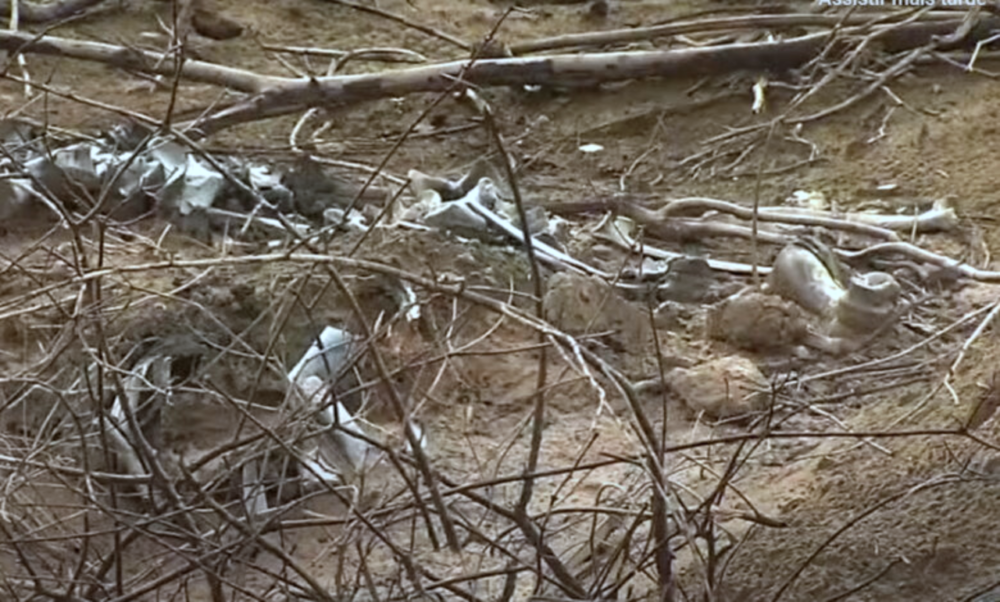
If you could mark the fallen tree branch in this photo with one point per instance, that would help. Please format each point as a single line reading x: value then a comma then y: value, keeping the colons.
x: 567, y: 70
x: 557, y: 70
x: 138, y: 60
x: 755, y: 22
x: 275, y: 96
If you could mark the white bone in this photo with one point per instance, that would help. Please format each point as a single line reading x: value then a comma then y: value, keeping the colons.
x: 325, y: 358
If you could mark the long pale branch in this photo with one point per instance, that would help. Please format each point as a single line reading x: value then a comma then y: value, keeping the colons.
x: 277, y: 96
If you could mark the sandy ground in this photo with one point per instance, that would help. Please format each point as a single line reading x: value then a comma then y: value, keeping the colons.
x: 914, y: 514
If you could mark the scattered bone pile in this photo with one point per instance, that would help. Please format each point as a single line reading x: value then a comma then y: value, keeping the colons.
x: 162, y: 413
x: 812, y: 300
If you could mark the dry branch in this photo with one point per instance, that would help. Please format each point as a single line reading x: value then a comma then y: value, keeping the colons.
x: 276, y: 96
x: 562, y: 70
x: 137, y: 60
x: 623, y: 36
x: 557, y: 70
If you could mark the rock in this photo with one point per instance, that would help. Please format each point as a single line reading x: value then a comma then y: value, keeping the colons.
x: 758, y: 322
x: 18, y: 137
x: 560, y: 230
x: 313, y: 190
x: 579, y: 304
x: 490, y: 49
x: 15, y: 198
x: 213, y: 25
x: 599, y: 9
x: 197, y: 224
x: 688, y: 280
x: 721, y: 388
x: 538, y: 219
x: 671, y: 315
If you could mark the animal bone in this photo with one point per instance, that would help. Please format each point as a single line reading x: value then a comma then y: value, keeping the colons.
x: 870, y: 301
x: 448, y: 189
x: 347, y: 453
x: 149, y: 390
x: 938, y: 219
x: 150, y: 373
x: 802, y: 275
x: 666, y: 219
x: 326, y: 357
x: 547, y: 253
x: 619, y: 232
